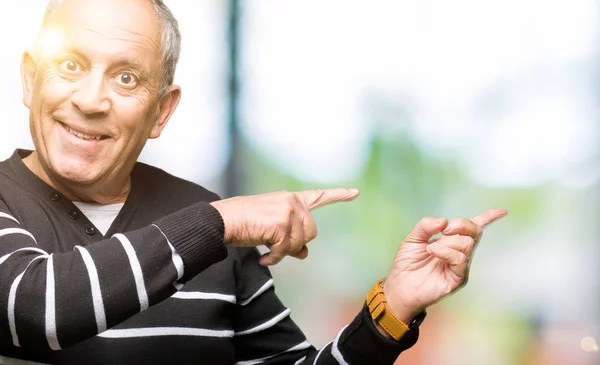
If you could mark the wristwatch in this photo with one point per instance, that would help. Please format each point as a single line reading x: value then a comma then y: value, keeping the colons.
x: 381, y: 313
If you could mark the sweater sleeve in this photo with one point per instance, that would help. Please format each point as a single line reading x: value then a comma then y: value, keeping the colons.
x: 54, y: 300
x: 266, y: 334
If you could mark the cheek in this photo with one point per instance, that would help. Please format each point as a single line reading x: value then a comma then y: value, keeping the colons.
x: 50, y: 94
x: 135, y: 117
x: 42, y: 105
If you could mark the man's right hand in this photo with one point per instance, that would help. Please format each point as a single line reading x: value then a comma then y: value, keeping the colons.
x: 279, y: 220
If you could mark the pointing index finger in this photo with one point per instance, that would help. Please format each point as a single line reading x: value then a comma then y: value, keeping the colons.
x: 318, y: 198
x: 489, y: 216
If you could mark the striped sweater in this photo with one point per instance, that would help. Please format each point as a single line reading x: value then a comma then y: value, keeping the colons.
x: 159, y: 288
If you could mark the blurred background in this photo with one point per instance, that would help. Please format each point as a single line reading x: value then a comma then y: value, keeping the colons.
x: 429, y: 107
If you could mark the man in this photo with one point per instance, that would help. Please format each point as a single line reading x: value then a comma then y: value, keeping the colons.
x: 104, y: 260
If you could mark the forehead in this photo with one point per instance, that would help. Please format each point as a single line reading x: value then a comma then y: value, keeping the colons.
x: 108, y: 27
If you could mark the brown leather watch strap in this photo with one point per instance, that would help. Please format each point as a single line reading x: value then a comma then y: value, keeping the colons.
x: 381, y: 313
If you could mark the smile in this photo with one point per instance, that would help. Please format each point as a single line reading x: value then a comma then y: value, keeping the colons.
x: 81, y: 135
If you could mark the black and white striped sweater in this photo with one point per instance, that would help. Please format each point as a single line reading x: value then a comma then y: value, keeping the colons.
x: 159, y: 288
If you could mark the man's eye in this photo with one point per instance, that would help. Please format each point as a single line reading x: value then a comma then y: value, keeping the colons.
x: 70, y: 66
x: 127, y: 79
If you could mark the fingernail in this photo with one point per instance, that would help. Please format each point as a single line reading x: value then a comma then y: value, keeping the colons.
x: 434, y: 246
x: 354, y: 191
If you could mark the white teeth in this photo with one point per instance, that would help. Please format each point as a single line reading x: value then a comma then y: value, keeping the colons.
x: 81, y: 135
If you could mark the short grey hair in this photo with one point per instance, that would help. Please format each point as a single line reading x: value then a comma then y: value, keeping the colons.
x: 170, y: 40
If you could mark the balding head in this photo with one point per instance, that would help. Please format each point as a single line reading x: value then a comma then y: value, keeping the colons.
x: 170, y: 37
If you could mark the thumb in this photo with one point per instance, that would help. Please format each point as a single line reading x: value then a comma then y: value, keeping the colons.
x: 425, y: 229
x: 317, y: 198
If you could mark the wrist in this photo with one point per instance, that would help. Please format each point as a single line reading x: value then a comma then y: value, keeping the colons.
x: 218, y: 206
x: 405, y: 313
x: 385, y: 319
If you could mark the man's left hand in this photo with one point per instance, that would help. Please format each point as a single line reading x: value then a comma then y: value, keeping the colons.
x: 426, y: 270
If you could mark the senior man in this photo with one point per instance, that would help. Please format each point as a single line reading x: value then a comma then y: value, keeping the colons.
x: 104, y: 260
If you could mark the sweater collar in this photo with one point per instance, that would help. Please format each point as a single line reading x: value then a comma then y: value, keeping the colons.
x: 26, y: 177
x: 38, y: 187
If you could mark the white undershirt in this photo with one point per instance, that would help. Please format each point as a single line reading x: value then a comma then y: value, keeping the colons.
x: 100, y: 215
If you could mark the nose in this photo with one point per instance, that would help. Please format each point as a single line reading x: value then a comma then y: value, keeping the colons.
x: 91, y: 95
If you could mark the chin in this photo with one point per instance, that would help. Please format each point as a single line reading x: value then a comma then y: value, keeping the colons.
x: 75, y: 171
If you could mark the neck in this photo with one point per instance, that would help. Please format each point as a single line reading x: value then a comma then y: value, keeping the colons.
x: 107, y: 191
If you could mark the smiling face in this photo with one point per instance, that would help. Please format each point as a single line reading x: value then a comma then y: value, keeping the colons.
x: 92, y: 90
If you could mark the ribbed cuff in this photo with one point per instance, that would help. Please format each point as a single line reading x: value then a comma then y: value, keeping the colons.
x: 197, y: 234
x: 362, y: 343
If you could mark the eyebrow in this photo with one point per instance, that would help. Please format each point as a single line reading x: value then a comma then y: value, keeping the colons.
x: 125, y: 62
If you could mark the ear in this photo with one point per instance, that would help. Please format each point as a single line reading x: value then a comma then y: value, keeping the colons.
x: 28, y: 73
x: 168, y: 103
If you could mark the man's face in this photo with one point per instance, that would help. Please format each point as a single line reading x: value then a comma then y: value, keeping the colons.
x: 92, y: 89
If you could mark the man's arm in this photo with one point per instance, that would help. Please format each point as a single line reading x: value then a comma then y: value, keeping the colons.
x: 265, y: 331
x: 54, y: 300
x: 425, y: 270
